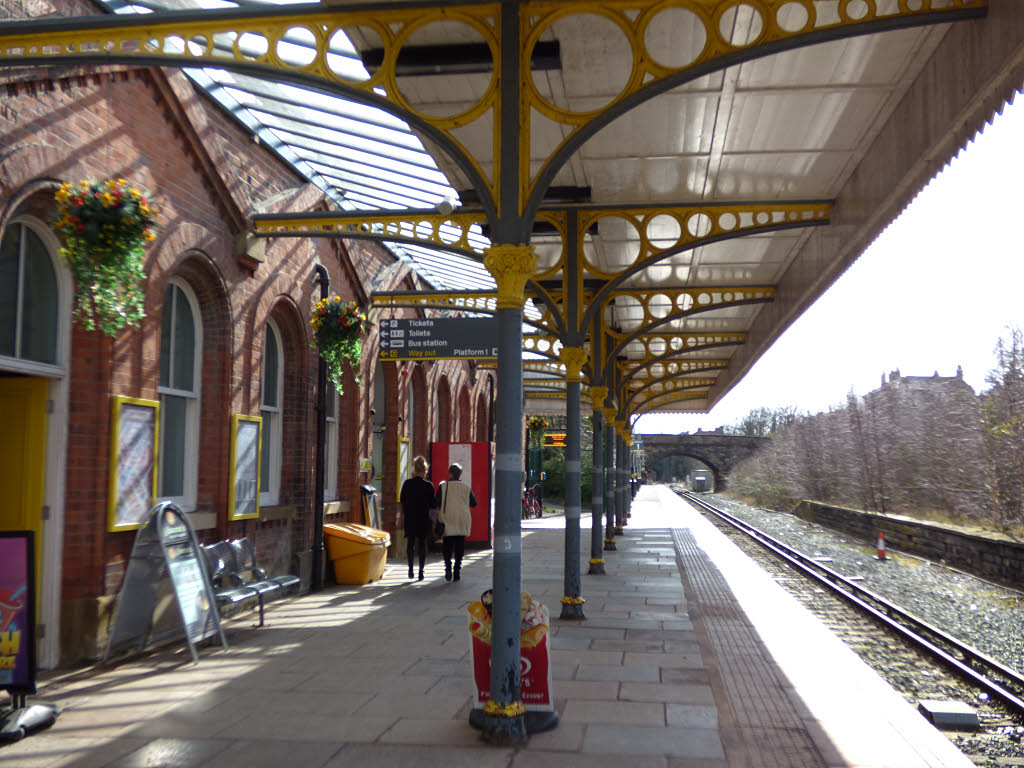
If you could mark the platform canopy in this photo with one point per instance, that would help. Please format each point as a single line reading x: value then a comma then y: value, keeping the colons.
x: 692, y: 173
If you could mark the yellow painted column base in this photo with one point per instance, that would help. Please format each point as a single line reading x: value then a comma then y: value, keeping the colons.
x: 494, y: 709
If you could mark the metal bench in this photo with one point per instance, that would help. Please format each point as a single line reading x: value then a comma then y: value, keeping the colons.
x: 237, y: 579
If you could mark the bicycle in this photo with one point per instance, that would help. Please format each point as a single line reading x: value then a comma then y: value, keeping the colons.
x: 531, y: 506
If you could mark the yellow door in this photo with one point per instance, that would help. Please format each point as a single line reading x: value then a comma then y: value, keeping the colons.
x: 23, y: 456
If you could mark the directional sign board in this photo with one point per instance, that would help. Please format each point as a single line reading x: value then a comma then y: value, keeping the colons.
x: 440, y: 338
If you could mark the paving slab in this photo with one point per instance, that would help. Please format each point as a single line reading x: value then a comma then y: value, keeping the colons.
x: 671, y: 668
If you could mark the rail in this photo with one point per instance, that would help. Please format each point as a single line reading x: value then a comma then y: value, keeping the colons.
x: 972, y: 664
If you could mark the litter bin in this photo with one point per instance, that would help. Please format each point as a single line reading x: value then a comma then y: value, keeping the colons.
x: 371, y: 506
x: 535, y: 670
x: 359, y: 553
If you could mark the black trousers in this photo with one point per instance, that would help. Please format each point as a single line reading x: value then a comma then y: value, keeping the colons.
x: 453, y: 545
x: 417, y: 545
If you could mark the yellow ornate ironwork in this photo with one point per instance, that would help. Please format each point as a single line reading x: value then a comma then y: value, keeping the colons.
x: 659, y: 344
x: 718, y: 31
x: 656, y: 231
x: 574, y: 358
x: 597, y: 397
x: 558, y: 384
x: 544, y: 366
x: 546, y: 395
x: 511, y: 266
x: 542, y: 344
x: 663, y: 386
x: 633, y: 368
x: 265, y: 43
x: 658, y: 401
x: 483, y: 301
x: 658, y: 305
x: 450, y: 231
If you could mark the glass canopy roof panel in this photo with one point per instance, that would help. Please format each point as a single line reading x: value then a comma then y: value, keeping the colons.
x: 360, y: 156
x: 788, y: 120
x: 780, y: 175
x: 884, y: 58
x: 658, y: 178
x: 677, y: 123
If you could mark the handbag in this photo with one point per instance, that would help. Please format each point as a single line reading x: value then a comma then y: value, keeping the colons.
x: 438, y: 525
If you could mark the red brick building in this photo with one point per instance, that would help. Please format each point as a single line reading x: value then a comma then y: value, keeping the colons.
x: 226, y: 332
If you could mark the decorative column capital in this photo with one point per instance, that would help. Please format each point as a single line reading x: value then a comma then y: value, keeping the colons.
x: 573, y: 358
x: 511, y: 266
x: 597, y: 396
x: 609, y: 416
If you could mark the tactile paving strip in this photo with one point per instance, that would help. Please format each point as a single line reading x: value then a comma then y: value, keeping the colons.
x: 767, y: 723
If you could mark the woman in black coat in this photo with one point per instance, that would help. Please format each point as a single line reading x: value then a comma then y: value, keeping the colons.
x: 416, y: 497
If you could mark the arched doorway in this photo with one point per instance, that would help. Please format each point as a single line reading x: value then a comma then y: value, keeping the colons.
x: 35, y: 330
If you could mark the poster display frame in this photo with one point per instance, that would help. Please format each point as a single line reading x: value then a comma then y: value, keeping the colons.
x: 404, y: 465
x: 23, y: 677
x: 240, y: 422
x: 125, y: 452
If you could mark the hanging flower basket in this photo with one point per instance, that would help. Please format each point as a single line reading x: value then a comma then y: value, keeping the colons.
x: 105, y: 226
x: 338, y: 328
x: 535, y: 426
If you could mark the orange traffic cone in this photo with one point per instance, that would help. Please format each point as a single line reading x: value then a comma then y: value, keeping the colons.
x: 881, y: 546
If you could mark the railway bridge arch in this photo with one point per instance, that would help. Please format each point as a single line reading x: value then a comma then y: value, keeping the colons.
x: 720, y: 452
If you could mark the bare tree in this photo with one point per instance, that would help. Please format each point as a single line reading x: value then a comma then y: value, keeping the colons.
x: 1003, y: 410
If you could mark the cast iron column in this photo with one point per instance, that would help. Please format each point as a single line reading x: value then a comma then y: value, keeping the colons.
x: 503, y: 720
x: 620, y: 471
x: 609, y: 479
x: 597, y: 396
x: 572, y: 600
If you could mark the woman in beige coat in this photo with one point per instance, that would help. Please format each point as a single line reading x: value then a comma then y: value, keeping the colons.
x: 454, y: 498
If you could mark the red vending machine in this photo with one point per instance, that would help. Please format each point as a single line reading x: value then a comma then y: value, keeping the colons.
x: 477, y: 460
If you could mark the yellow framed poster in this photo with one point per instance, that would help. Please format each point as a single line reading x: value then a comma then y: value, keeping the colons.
x: 244, y: 472
x: 131, y: 485
x: 404, y: 465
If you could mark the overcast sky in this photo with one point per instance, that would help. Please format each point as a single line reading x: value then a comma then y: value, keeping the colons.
x: 935, y: 291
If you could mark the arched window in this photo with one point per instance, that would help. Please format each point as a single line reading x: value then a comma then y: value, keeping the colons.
x: 444, y: 411
x: 410, y: 410
x: 420, y: 426
x: 481, y: 417
x: 464, y: 417
x: 180, y: 353
x: 28, y: 297
x: 271, y: 412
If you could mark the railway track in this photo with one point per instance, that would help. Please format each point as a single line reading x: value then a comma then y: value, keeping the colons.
x: 996, y: 689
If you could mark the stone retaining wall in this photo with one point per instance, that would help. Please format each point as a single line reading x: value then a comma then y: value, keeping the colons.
x: 989, y: 555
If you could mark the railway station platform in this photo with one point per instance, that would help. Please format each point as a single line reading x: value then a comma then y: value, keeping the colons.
x: 690, y: 657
